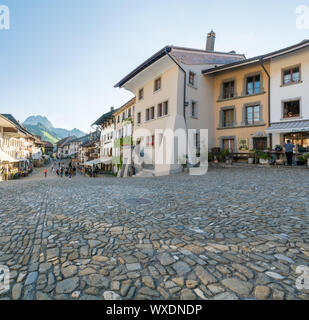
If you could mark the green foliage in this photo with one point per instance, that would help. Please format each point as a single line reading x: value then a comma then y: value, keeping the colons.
x: 262, y: 155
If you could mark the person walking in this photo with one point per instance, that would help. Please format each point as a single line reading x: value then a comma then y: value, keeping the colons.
x: 289, y: 149
x: 45, y: 173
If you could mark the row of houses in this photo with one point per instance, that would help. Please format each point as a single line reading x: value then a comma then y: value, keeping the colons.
x: 245, y: 104
x: 18, y: 147
x: 81, y: 150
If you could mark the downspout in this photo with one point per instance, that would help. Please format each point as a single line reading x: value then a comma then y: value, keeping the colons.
x: 167, y: 50
x: 268, y: 75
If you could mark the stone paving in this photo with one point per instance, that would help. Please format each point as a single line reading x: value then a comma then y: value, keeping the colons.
x: 231, y: 234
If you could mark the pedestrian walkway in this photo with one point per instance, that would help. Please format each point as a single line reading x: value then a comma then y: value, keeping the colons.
x: 232, y: 234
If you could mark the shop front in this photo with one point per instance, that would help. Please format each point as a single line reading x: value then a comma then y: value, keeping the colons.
x: 295, y: 131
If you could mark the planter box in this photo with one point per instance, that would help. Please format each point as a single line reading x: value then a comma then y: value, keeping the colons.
x: 250, y: 160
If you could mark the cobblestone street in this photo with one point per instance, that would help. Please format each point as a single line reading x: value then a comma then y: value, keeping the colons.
x: 235, y: 233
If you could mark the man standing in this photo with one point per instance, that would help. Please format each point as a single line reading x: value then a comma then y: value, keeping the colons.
x: 289, y: 151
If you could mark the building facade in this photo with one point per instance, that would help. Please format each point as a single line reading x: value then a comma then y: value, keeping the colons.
x: 241, y: 110
x: 289, y: 70
x: 171, y: 93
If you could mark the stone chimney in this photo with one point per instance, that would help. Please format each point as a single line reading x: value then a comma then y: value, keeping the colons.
x: 211, y: 38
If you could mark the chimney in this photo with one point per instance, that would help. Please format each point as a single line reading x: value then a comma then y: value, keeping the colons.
x: 112, y: 108
x: 211, y: 38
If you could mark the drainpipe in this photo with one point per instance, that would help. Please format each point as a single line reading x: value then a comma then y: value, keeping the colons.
x: 268, y: 75
x: 167, y: 50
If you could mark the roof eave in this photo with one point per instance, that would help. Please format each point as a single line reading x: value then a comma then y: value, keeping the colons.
x: 143, y: 66
x: 253, y: 60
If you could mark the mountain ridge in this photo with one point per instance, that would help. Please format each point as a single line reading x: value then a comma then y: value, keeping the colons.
x: 40, y: 125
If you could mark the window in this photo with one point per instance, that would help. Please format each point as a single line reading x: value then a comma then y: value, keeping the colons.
x: 147, y: 114
x: 291, y: 109
x: 123, y: 116
x: 147, y: 141
x: 194, y: 109
x: 157, y: 84
x: 139, y: 117
x: 141, y: 94
x: 152, y: 140
x: 228, y: 118
x: 291, y: 75
x: 228, y: 89
x: 152, y: 113
x: 253, y: 85
x: 300, y: 139
x: 160, y: 138
x: 129, y: 113
x: 192, y: 78
x: 252, y: 115
x: 197, y: 140
x: 165, y: 108
x: 260, y: 143
x: 160, y: 110
x: 228, y: 144
x: 118, y: 119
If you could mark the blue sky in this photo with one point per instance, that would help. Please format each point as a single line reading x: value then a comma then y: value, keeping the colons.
x: 61, y: 58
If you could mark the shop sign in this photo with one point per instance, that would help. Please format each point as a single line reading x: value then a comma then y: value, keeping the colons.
x: 300, y: 130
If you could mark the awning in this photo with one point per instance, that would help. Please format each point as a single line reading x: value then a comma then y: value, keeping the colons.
x: 97, y: 161
x: 4, y: 157
x: 289, y: 127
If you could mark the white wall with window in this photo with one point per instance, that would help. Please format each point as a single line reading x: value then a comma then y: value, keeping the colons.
x: 290, y: 98
x: 289, y: 80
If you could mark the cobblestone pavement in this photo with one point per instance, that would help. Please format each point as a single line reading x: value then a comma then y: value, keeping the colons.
x: 232, y: 234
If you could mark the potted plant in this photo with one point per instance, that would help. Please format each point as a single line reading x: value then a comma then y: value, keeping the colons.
x: 262, y: 157
x: 227, y: 157
x: 278, y: 148
x: 301, y: 160
x: 251, y: 158
x: 184, y: 163
x: 306, y: 158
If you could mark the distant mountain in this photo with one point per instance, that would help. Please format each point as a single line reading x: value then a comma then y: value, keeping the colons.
x: 41, y: 126
x: 45, y: 133
x: 34, y: 120
x: 63, y: 133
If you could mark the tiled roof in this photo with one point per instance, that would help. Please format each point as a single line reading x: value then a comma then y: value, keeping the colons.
x: 65, y: 141
x: 200, y: 57
x: 104, y: 117
x: 270, y: 55
x: 17, y: 124
x: 126, y: 105
x: 189, y: 56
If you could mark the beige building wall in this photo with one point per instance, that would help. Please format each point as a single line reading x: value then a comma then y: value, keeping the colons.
x: 240, y: 131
